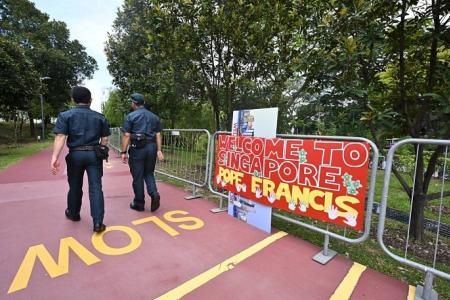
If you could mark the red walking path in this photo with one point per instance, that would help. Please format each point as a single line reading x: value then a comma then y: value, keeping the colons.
x: 181, y: 251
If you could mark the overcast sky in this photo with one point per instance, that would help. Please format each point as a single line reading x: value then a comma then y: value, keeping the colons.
x: 89, y: 21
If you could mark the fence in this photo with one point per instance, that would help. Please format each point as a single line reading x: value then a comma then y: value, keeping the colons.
x: 329, y: 231
x: 185, y: 155
x: 115, y: 139
x: 427, y: 265
x: 189, y: 157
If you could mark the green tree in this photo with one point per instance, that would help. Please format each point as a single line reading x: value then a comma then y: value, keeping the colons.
x: 388, y: 62
x: 416, y: 82
x: 215, y: 51
x: 115, y: 108
x: 47, y: 46
x: 372, y: 68
x: 18, y: 83
x: 18, y: 79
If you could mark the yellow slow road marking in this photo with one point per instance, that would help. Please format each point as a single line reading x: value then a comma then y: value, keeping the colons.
x: 348, y: 284
x: 224, y: 266
x: 411, y: 292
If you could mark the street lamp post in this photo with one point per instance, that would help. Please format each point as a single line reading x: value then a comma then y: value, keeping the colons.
x: 42, y: 109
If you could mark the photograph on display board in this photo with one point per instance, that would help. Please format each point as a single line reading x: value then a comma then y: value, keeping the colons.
x: 251, y: 123
x: 245, y: 123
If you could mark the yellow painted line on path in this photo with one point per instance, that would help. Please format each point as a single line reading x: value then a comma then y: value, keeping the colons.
x: 222, y: 267
x: 411, y: 292
x: 348, y: 284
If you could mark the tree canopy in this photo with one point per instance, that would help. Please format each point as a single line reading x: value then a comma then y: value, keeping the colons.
x: 34, y: 47
x: 369, y: 68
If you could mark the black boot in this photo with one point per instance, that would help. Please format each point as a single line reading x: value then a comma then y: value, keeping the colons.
x: 99, y: 227
x: 70, y: 217
x: 155, y: 202
x: 136, y: 206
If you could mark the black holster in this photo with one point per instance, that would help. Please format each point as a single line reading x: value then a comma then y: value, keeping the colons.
x: 138, y: 140
x: 102, y: 152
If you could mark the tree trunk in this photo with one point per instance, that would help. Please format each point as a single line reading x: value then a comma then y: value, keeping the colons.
x: 423, y: 178
x: 21, y: 124
x: 229, y: 103
x: 47, y: 121
x: 215, y: 106
x: 402, y: 67
x: 436, y: 12
x: 32, y: 127
x: 15, y: 128
x: 417, y: 216
x: 217, y: 117
x: 418, y: 202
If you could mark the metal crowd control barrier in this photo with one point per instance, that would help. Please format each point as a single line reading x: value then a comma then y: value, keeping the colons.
x: 186, y: 155
x: 426, y: 291
x: 326, y: 254
x: 115, y: 139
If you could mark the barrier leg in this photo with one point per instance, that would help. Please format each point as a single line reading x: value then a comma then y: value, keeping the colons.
x: 220, y: 208
x: 194, y: 194
x: 426, y: 291
x: 119, y: 143
x: 326, y: 254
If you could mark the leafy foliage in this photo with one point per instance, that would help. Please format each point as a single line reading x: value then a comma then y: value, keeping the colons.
x: 115, y: 109
x: 377, y: 68
x: 36, y: 47
x: 18, y: 80
x: 228, y: 53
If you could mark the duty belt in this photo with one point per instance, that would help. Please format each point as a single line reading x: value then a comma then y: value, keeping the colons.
x: 147, y: 141
x: 82, y: 148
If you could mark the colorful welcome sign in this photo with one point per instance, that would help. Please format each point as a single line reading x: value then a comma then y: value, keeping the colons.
x: 321, y: 179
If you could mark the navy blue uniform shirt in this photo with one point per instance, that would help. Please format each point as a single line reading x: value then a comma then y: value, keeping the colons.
x: 142, y: 121
x: 82, y: 125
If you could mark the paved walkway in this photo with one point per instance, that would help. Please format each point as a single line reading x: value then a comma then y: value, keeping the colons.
x: 182, y: 250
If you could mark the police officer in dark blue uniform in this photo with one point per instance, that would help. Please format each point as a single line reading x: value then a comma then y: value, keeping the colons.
x: 85, y: 130
x: 142, y: 133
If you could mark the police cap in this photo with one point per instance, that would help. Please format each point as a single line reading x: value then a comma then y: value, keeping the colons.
x: 137, y: 98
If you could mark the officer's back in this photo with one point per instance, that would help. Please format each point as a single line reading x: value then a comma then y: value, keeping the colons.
x: 84, y: 129
x: 143, y: 121
x: 142, y: 132
x: 82, y: 126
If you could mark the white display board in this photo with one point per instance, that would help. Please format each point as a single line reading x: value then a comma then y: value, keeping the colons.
x: 257, y: 123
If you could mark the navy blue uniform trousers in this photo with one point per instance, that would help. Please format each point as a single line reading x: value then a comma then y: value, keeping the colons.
x: 78, y: 162
x: 142, y: 167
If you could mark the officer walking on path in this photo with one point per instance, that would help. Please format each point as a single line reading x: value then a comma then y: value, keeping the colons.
x: 87, y: 134
x: 142, y: 132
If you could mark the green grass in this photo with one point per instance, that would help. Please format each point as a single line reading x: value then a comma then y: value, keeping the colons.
x: 27, y: 145
x: 398, y: 199
x: 184, y: 164
x: 12, y: 154
x: 183, y: 155
x: 7, y: 133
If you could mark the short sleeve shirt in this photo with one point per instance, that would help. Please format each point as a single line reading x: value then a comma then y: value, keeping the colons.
x: 82, y: 126
x: 142, y: 121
